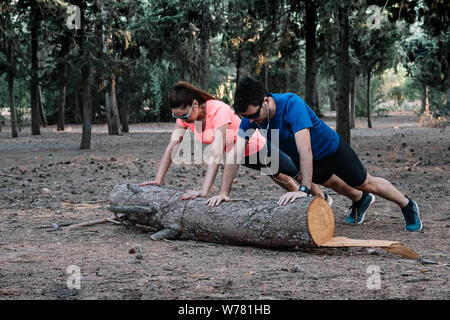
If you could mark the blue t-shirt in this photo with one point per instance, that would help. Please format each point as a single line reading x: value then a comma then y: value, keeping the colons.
x: 293, y: 115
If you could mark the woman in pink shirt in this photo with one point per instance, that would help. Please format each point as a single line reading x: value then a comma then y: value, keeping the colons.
x: 210, y: 120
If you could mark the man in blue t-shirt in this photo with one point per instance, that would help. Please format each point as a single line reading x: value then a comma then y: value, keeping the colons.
x: 309, y: 151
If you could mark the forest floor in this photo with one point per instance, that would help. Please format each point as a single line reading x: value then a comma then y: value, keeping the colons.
x: 47, y: 180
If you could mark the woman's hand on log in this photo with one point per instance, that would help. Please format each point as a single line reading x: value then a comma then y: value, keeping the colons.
x: 148, y: 183
x: 192, y: 194
x: 290, y: 197
x: 216, y: 200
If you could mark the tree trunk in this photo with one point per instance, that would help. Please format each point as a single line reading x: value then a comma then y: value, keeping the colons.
x: 311, y: 96
x: 86, y: 102
x: 238, y: 66
x: 266, y: 76
x: 369, y: 121
x: 343, y: 73
x: 76, y: 112
x: 309, y: 222
x: 12, y: 107
x: 447, y: 105
x: 352, y: 101
x: 332, y: 97
x: 263, y: 224
x: 62, y: 67
x: 41, y: 108
x: 10, y: 76
x: 204, y: 46
x: 112, y: 111
x: 425, y: 99
x: 34, y: 83
x: 61, y: 104
x: 85, y: 83
x: 126, y: 119
x: 125, y: 111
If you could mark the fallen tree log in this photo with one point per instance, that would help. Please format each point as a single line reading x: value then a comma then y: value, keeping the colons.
x: 309, y: 222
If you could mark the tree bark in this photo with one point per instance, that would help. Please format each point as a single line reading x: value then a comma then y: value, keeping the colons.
x: 369, y: 121
x: 343, y: 73
x: 112, y: 111
x: 125, y: 117
x: 86, y: 102
x: 352, y: 101
x: 34, y: 82
x: 447, y: 105
x: 204, y: 46
x: 12, y: 107
x: 311, y: 96
x: 61, y: 104
x: 41, y: 108
x: 261, y: 224
x: 62, y: 67
x: 425, y: 99
x: 10, y: 75
x: 85, y: 83
x: 76, y: 112
x: 332, y: 97
x: 309, y: 222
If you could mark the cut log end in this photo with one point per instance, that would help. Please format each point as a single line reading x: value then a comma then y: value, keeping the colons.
x: 320, y: 221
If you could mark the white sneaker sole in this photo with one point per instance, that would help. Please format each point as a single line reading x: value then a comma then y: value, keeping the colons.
x: 364, y: 214
x: 330, y: 200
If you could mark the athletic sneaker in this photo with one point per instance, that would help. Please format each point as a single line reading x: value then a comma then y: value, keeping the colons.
x: 328, y: 198
x: 360, y: 208
x: 412, y: 216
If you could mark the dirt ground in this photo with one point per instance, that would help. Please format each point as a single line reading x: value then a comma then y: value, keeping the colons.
x: 47, y: 180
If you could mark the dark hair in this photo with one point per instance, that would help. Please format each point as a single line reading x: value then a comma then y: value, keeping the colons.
x: 184, y: 93
x: 248, y: 91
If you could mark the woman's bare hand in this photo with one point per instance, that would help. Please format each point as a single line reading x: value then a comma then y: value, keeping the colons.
x: 192, y: 194
x: 216, y: 200
x: 149, y: 183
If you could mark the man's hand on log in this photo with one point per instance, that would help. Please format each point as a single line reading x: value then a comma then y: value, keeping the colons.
x: 290, y: 197
x: 192, y: 194
x: 148, y: 183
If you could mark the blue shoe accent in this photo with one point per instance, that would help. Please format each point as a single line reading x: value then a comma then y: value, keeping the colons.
x: 412, y: 216
x: 359, y: 208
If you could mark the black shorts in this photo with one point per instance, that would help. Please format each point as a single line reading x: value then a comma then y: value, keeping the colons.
x: 344, y: 163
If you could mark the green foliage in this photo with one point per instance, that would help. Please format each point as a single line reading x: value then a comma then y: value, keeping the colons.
x: 397, y: 94
x: 156, y: 43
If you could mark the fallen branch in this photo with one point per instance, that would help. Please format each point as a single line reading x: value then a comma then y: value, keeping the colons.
x: 7, y: 175
x: 53, y: 225
x: 115, y: 281
x: 434, y: 210
x: 87, y: 202
x: 416, y: 164
x: 93, y: 222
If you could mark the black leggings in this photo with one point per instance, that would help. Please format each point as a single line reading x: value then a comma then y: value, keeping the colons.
x: 261, y: 161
